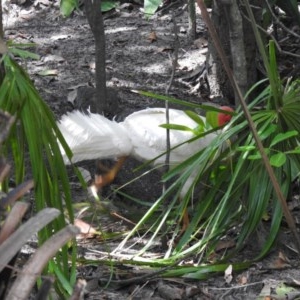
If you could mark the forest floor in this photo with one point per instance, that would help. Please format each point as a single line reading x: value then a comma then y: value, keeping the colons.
x: 139, y: 56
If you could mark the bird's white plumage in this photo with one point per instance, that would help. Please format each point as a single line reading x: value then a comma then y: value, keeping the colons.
x: 93, y: 136
x: 149, y: 139
x: 139, y: 135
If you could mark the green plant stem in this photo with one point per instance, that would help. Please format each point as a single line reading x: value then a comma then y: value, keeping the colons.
x: 280, y: 196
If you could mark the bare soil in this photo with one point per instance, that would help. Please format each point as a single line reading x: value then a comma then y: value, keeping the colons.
x: 139, y: 55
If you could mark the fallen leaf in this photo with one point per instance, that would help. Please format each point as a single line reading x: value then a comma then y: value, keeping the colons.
x: 53, y: 57
x: 224, y: 245
x: 152, y: 37
x: 242, y: 279
x: 228, y: 274
x: 86, y: 230
x: 281, y: 261
x: 265, y: 293
x: 48, y: 72
x: 282, y: 290
x: 164, y: 49
x: 59, y: 37
x: 75, y: 87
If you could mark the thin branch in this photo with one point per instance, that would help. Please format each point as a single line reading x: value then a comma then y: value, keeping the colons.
x: 277, y: 45
x: 174, y: 61
x: 277, y: 21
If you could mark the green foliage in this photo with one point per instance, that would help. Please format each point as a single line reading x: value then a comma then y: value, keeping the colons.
x: 277, y: 157
x: 68, y: 6
x: 108, y: 5
x: 151, y: 6
x: 235, y: 186
x: 17, y: 50
x: 201, y: 127
x: 34, y: 139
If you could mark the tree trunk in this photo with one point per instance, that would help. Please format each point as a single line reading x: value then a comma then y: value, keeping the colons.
x: 94, y: 16
x: 239, y: 44
x: 192, y: 20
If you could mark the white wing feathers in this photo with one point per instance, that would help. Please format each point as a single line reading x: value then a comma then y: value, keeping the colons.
x: 93, y: 136
x: 149, y: 139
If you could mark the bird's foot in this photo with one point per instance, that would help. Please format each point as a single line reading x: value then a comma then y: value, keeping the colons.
x: 109, y: 176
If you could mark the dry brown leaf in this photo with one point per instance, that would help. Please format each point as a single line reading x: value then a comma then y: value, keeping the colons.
x: 86, y: 230
x: 225, y: 245
x: 281, y: 262
x: 164, y: 49
x: 152, y: 37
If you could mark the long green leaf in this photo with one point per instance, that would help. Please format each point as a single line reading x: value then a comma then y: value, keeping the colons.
x: 283, y: 136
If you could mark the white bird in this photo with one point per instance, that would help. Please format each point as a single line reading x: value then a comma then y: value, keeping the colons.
x: 140, y: 135
x: 92, y: 136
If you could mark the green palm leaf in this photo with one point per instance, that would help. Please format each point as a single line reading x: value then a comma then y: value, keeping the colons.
x: 34, y: 138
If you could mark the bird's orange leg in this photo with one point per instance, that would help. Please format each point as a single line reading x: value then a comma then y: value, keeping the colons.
x: 103, y: 180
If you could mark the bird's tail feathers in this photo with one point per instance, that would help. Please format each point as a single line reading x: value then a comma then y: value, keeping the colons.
x: 93, y: 136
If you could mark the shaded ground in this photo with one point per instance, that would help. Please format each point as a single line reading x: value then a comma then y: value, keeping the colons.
x: 136, y: 59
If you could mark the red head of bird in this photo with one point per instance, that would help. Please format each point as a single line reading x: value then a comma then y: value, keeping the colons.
x: 217, y: 119
x: 224, y: 118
